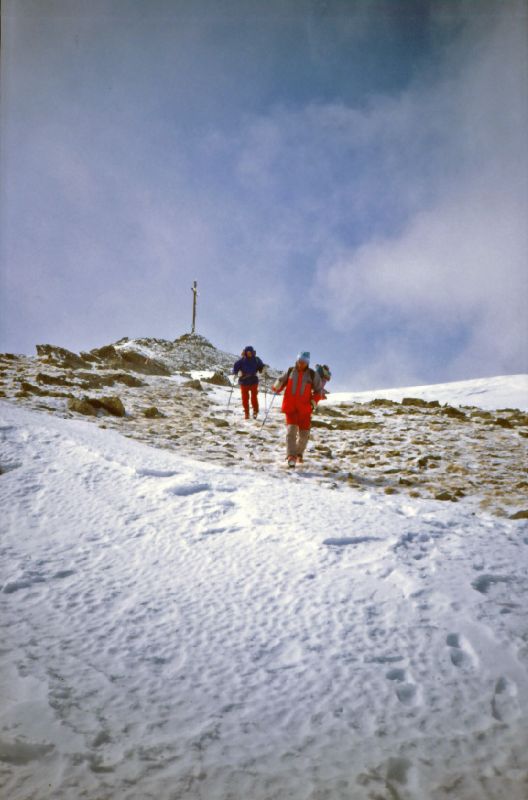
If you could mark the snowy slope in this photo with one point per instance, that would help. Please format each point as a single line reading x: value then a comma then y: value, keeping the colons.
x: 173, y: 629
x: 507, y: 391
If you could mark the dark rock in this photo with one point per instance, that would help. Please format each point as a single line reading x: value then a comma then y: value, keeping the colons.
x: 60, y: 357
x: 112, y: 357
x: 152, y: 413
x: 220, y: 423
x: 82, y: 406
x: 520, y: 514
x: 194, y: 384
x: 53, y: 380
x: 454, y: 413
x: 417, y: 401
x: 218, y: 379
x: 446, y: 496
x: 112, y: 404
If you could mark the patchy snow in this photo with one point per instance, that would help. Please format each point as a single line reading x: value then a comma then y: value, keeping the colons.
x: 507, y: 391
x: 175, y: 629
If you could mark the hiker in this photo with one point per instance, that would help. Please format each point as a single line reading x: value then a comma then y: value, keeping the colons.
x: 302, y: 391
x: 323, y: 370
x: 247, y: 369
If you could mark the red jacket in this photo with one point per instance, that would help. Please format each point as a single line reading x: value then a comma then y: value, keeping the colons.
x: 300, y: 389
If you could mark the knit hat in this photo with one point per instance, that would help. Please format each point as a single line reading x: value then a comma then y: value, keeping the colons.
x: 304, y: 356
x: 251, y: 349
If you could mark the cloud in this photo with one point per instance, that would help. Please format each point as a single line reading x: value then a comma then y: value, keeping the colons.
x: 454, y: 270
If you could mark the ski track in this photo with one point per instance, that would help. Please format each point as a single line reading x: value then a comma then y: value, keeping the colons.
x: 177, y: 630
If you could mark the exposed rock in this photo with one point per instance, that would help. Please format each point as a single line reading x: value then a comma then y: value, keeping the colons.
x: 454, y: 413
x: 502, y: 422
x: 220, y: 423
x: 112, y: 404
x: 152, y: 413
x: 218, y: 379
x: 82, y: 406
x: 423, y: 462
x: 382, y: 403
x: 113, y: 358
x: 446, y: 496
x: 30, y: 388
x: 194, y: 384
x: 53, y: 380
x: 520, y: 515
x: 60, y: 357
x: 417, y: 401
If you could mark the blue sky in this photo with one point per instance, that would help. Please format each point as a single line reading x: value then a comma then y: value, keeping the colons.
x: 349, y: 178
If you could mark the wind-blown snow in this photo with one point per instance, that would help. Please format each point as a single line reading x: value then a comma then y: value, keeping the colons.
x: 172, y: 629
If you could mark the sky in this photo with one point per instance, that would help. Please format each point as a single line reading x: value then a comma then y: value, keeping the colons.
x: 347, y: 178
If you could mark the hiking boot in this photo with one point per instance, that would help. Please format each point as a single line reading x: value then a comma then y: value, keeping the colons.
x: 255, y: 414
x: 292, y: 460
x: 300, y: 459
x: 246, y: 416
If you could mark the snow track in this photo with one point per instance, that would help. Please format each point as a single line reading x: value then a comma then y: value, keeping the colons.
x: 177, y: 630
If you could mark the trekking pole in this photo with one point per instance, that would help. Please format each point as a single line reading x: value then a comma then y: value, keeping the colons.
x: 230, y: 394
x: 267, y: 415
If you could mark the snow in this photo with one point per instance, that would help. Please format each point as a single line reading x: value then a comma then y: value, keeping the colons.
x: 177, y: 629
x: 507, y: 391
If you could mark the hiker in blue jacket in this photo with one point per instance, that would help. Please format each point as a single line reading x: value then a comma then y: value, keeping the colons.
x: 247, y: 369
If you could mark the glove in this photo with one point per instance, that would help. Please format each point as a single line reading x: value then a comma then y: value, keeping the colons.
x: 240, y: 373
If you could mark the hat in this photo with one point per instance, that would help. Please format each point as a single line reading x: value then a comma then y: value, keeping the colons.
x: 304, y: 356
x: 251, y: 349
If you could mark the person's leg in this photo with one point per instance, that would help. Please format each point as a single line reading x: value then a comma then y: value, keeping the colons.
x: 304, y: 435
x: 244, y: 391
x: 254, y: 399
x: 291, y: 441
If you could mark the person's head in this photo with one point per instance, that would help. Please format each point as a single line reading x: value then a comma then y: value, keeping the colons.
x: 249, y: 351
x: 303, y: 359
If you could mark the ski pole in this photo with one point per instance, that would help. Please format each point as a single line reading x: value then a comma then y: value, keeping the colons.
x: 230, y: 394
x: 267, y: 413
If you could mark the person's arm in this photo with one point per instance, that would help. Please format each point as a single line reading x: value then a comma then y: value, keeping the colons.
x: 281, y: 382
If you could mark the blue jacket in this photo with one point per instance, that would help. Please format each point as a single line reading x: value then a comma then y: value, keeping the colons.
x: 249, y: 368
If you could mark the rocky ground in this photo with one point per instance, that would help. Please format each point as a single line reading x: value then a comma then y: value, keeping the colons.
x: 175, y: 395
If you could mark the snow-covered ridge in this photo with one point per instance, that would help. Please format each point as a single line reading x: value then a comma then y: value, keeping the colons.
x: 506, y: 391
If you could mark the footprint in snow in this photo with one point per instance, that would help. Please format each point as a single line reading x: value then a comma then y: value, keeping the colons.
x: 504, y: 703
x: 405, y: 691
x: 460, y: 651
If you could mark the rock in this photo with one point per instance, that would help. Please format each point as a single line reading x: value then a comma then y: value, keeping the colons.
x: 113, y: 357
x: 502, y: 422
x: 152, y: 413
x: 455, y: 413
x: 520, y: 514
x: 82, y: 406
x: 417, y: 401
x: 423, y: 462
x: 446, y: 496
x: 30, y: 388
x: 53, y: 380
x: 194, y: 384
x: 218, y: 379
x: 381, y: 403
x: 112, y: 404
x: 220, y: 423
x: 60, y: 357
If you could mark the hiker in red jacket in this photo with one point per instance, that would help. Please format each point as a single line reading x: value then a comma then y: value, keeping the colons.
x: 302, y: 391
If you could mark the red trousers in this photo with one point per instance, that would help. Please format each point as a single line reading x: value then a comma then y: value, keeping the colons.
x: 246, y: 392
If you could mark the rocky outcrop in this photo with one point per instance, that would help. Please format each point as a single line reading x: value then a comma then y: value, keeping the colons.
x: 91, y: 405
x: 60, y: 357
x: 118, y: 358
